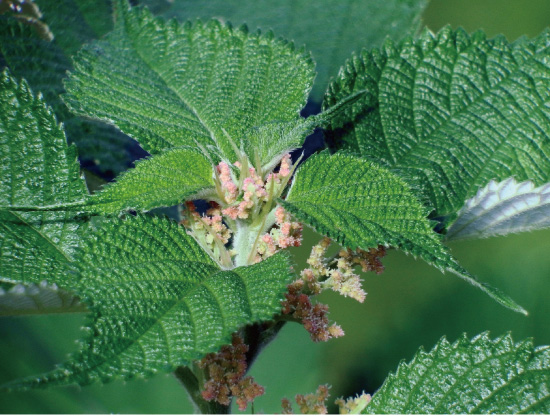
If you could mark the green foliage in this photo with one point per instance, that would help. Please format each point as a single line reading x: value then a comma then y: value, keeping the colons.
x: 44, y: 63
x: 158, y: 301
x: 170, y: 85
x: 331, y: 29
x: 162, y: 181
x: 35, y: 246
x: 450, y: 112
x: 362, y: 205
x: 481, y: 376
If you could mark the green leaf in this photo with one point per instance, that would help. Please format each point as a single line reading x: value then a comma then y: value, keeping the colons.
x: 502, y: 208
x: 169, y: 85
x: 450, y: 112
x: 37, y: 168
x: 158, y: 301
x: 481, y: 376
x: 36, y: 299
x: 362, y: 205
x: 161, y: 181
x: 44, y: 64
x: 331, y: 29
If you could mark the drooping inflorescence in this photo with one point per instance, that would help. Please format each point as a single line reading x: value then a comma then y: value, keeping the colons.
x: 226, y: 375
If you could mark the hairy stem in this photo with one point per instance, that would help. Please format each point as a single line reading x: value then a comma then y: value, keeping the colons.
x: 191, y: 384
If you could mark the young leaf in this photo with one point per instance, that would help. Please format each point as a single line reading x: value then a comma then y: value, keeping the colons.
x: 44, y: 63
x: 161, y: 181
x: 169, y: 85
x: 37, y: 299
x: 158, y: 301
x: 481, y: 376
x: 331, y: 29
x: 37, y: 168
x: 450, y: 112
x: 502, y: 208
x: 362, y: 205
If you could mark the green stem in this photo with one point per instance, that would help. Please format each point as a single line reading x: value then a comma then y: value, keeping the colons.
x: 191, y: 384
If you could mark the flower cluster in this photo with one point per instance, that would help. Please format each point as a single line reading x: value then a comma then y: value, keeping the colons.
x: 226, y: 370
x: 250, y: 192
x: 312, y: 316
x: 313, y: 403
x: 209, y: 229
x: 287, y: 233
x: 353, y: 405
x: 337, y: 275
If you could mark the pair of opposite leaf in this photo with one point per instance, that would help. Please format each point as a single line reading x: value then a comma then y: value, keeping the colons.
x: 181, y: 88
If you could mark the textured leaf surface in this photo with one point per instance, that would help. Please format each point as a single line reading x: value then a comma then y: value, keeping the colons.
x: 450, y: 112
x: 331, y: 29
x: 158, y: 301
x: 362, y: 205
x: 45, y: 63
x: 481, y: 376
x: 37, y: 168
x: 161, y: 181
x: 169, y: 85
x: 502, y: 208
x: 36, y: 299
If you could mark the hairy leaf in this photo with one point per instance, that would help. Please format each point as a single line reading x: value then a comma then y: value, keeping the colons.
x: 169, y: 85
x: 164, y: 180
x: 158, y: 301
x: 44, y: 63
x: 450, y: 112
x: 502, y: 208
x: 37, y: 299
x: 362, y: 205
x: 331, y: 29
x: 481, y: 376
x: 37, y: 168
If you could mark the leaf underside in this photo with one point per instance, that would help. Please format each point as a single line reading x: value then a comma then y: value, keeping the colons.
x: 35, y: 246
x: 481, y: 376
x: 502, y: 208
x: 362, y: 205
x: 330, y: 29
x: 450, y: 112
x: 169, y: 85
x: 35, y: 299
x: 158, y: 301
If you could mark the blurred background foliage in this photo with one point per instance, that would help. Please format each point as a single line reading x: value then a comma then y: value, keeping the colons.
x: 408, y: 306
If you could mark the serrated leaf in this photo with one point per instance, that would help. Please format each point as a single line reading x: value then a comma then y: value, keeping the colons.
x: 170, y: 85
x: 502, y: 208
x: 362, y: 205
x: 158, y: 301
x: 450, y: 112
x: 331, y: 29
x: 161, y: 181
x: 44, y: 64
x: 36, y: 299
x: 37, y: 168
x: 481, y: 376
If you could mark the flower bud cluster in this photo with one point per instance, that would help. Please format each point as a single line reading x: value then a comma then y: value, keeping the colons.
x: 209, y: 229
x: 353, y: 405
x: 250, y: 192
x: 226, y: 370
x: 313, y: 403
x: 287, y: 233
